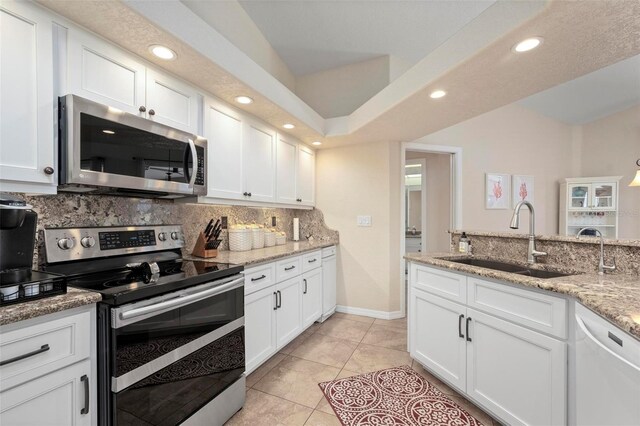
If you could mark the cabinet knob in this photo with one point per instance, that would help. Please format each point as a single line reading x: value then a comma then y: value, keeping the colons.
x: 249, y: 194
x: 152, y: 112
x: 246, y: 194
x: 48, y: 170
x: 142, y: 108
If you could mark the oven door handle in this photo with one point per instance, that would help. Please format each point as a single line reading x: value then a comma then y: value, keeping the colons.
x: 182, y: 300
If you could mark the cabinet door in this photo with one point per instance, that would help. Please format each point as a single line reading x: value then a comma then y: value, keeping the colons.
x: 26, y: 104
x: 438, y: 336
x: 102, y: 73
x: 172, y: 102
x: 603, y: 195
x: 286, y: 164
x: 259, y: 162
x: 223, y: 130
x: 579, y: 196
x: 517, y: 373
x: 260, y: 327
x: 289, y: 313
x: 306, y: 175
x: 57, y: 398
x: 311, y: 297
x: 328, y: 286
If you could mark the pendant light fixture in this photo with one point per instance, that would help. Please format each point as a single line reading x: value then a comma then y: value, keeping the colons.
x: 636, y: 180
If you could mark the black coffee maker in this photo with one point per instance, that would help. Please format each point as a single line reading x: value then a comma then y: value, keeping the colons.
x: 17, y: 239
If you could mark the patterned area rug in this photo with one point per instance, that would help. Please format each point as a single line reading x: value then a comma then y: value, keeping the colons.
x: 396, y: 396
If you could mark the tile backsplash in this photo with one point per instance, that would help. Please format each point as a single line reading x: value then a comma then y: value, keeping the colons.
x: 74, y: 210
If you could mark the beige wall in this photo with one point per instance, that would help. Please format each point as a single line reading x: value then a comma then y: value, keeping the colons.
x: 610, y: 147
x: 364, y: 180
x: 511, y: 140
x: 340, y: 91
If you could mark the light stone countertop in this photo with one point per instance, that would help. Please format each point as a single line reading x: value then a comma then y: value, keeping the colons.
x: 267, y: 254
x: 615, y: 297
x: 22, y: 311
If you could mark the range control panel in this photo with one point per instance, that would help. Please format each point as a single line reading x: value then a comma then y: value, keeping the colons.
x: 65, y: 244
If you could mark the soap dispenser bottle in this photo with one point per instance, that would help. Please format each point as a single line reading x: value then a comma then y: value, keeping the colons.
x: 463, y: 246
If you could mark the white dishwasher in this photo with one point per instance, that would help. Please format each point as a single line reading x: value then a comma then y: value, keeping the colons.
x: 607, y: 373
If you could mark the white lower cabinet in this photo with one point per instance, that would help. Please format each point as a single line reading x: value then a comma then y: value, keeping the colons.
x: 57, y: 399
x: 260, y: 326
x: 311, y: 297
x: 289, y: 312
x: 516, y: 373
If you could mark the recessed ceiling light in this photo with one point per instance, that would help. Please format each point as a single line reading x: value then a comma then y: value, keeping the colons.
x: 437, y: 94
x: 109, y: 132
x: 527, y: 44
x: 244, y: 100
x: 288, y: 126
x: 316, y: 143
x: 162, y: 52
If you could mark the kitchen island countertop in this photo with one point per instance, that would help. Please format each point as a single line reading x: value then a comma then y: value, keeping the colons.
x: 615, y: 297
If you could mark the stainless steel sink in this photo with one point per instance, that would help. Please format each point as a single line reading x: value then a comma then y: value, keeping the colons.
x: 508, y: 267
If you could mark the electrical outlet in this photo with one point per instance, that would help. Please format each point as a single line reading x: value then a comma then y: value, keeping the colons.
x: 273, y: 221
x: 364, y: 220
x: 223, y: 225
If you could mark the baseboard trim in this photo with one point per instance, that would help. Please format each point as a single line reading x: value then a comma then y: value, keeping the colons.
x: 369, y: 312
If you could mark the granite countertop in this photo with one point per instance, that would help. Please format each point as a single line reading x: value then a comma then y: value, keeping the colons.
x: 615, y: 297
x: 22, y: 311
x: 267, y: 254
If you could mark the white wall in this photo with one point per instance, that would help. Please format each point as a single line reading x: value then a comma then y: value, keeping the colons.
x: 340, y: 91
x: 610, y: 147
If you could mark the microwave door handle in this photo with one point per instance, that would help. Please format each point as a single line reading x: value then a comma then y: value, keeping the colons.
x: 181, y: 301
x: 194, y: 159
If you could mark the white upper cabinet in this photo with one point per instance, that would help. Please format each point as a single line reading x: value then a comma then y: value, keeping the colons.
x: 26, y: 104
x: 223, y: 130
x: 286, y: 169
x: 172, y: 102
x: 103, y: 73
x: 306, y: 175
x: 259, y: 157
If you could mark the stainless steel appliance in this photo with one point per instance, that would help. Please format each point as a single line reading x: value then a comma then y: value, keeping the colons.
x: 18, y: 283
x: 105, y: 150
x: 171, y: 346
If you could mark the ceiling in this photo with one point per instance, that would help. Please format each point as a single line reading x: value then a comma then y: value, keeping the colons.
x: 590, y: 97
x: 312, y: 36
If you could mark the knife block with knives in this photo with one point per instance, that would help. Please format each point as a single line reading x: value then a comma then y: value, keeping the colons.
x: 207, y: 243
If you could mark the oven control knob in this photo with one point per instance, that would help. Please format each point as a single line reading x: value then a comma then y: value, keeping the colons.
x: 66, y: 243
x: 174, y: 235
x: 162, y: 236
x: 88, y: 242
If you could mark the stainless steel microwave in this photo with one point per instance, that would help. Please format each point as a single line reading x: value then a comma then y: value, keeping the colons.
x: 107, y: 151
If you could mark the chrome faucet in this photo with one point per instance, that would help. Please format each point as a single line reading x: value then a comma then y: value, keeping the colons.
x: 601, y: 266
x: 532, y: 253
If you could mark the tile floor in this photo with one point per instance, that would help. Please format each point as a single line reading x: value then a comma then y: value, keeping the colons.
x: 284, y: 390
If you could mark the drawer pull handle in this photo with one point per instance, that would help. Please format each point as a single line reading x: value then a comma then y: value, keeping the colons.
x: 312, y: 260
x: 305, y: 286
x: 259, y: 278
x: 290, y: 268
x: 615, y: 338
x: 468, y: 337
x: 42, y: 349
x: 84, y: 379
x: 460, y: 326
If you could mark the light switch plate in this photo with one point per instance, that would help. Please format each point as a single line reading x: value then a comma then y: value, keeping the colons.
x: 364, y: 220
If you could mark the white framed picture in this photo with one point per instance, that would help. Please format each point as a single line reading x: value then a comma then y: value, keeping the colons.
x: 522, y: 189
x: 497, y: 191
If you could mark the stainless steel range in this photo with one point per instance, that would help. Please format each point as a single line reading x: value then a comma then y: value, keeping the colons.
x: 171, y: 346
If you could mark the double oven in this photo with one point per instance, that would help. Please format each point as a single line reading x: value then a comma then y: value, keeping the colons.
x: 168, y: 358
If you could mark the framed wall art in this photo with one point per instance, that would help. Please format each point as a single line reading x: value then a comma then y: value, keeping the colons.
x: 522, y: 189
x: 497, y: 191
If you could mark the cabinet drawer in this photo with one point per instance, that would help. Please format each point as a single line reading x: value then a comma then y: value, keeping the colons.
x: 43, y: 347
x: 259, y: 277
x: 311, y: 260
x: 288, y: 268
x: 540, y: 312
x: 329, y: 251
x: 441, y: 283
